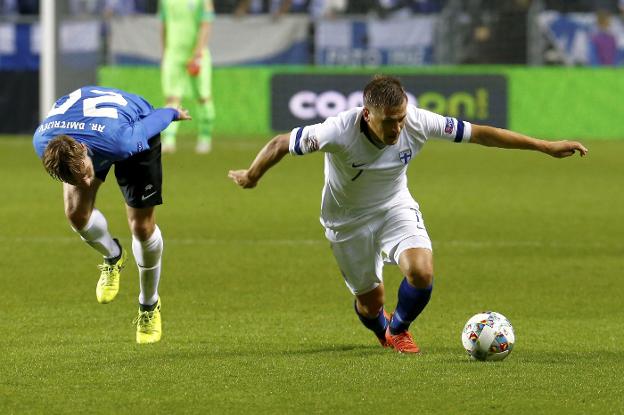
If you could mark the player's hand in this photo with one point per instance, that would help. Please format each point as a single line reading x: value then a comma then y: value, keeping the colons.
x: 183, y: 114
x: 561, y: 149
x: 193, y: 66
x: 241, y: 178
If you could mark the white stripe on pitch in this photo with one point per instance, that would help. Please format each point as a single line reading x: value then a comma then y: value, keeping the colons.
x: 213, y: 241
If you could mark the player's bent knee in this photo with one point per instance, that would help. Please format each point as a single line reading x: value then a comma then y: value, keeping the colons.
x: 420, y: 277
x: 78, y: 218
x: 417, y: 266
x: 142, y: 222
x: 142, y: 230
x: 370, y: 310
x: 371, y: 303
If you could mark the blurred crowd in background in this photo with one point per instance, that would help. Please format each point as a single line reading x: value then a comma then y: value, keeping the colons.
x: 471, y: 31
x: 94, y: 36
x: 318, y: 8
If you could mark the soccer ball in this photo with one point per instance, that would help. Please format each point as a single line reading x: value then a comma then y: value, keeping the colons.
x: 488, y: 336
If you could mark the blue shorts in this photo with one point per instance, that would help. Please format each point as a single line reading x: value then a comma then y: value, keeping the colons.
x: 140, y: 176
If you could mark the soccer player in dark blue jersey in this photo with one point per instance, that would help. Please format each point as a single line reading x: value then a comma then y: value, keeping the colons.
x: 82, y: 137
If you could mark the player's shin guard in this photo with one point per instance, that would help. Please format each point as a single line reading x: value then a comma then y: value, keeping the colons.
x: 377, y: 324
x: 412, y: 301
x: 96, y: 234
x: 148, y: 258
x: 205, y: 120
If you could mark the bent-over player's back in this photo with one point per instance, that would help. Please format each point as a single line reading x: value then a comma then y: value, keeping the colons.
x: 96, y: 116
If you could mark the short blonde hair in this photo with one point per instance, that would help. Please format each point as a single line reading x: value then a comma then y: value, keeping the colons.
x: 384, y: 92
x: 63, y: 159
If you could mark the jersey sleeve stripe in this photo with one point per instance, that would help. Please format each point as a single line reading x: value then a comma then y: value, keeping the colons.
x: 459, y: 136
x: 298, y: 141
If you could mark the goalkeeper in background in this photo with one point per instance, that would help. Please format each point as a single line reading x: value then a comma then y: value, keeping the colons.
x: 186, y: 65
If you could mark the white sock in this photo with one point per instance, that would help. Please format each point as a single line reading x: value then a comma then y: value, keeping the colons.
x: 147, y: 255
x: 96, y: 234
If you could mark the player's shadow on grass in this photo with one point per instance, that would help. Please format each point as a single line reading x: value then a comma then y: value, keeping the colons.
x: 344, y: 348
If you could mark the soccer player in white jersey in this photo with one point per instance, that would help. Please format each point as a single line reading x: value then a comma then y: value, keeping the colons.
x: 367, y: 210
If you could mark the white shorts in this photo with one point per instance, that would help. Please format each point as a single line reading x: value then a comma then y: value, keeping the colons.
x: 361, y: 251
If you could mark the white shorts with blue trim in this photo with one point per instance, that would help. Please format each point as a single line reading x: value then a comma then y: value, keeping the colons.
x: 362, y: 250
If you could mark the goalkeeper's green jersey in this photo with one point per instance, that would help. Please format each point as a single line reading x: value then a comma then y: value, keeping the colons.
x: 182, y: 19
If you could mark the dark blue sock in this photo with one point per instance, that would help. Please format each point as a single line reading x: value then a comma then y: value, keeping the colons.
x: 377, y: 324
x: 412, y: 301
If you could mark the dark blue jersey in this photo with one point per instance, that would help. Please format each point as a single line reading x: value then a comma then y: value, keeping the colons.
x: 113, y: 124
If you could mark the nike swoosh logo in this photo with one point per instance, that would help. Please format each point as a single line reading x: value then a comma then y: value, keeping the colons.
x: 145, y: 197
x: 356, y: 166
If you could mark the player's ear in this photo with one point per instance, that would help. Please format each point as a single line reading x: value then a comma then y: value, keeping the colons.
x: 366, y: 114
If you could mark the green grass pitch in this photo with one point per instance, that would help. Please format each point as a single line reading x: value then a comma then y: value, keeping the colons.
x: 256, y: 316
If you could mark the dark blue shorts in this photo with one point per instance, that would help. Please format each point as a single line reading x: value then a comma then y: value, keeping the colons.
x: 140, y: 176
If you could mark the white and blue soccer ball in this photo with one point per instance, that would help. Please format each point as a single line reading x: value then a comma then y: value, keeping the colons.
x: 488, y: 336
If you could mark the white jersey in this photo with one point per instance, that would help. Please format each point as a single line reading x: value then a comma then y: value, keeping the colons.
x: 362, y: 176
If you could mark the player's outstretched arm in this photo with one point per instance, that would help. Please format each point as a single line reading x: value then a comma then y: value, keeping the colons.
x: 156, y: 121
x: 183, y: 115
x: 269, y: 156
x: 498, y: 137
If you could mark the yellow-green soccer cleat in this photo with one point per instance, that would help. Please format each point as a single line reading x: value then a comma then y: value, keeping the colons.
x: 108, y: 284
x: 148, y: 325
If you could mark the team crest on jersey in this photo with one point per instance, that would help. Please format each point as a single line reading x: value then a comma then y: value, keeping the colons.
x: 139, y: 147
x: 405, y: 155
x: 450, y: 125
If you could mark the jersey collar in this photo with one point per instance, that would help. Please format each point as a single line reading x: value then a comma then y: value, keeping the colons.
x: 365, y: 130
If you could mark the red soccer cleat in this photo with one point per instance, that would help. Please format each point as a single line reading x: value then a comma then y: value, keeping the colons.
x: 403, y: 342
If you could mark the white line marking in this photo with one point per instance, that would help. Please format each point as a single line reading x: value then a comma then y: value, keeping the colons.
x: 441, y: 243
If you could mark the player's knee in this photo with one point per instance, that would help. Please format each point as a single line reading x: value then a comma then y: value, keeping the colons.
x: 78, y: 218
x: 420, y: 276
x: 370, y: 304
x: 370, y: 310
x: 142, y: 229
x: 417, y: 266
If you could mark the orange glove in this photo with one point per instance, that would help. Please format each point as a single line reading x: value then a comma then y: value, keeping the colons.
x: 194, y: 66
